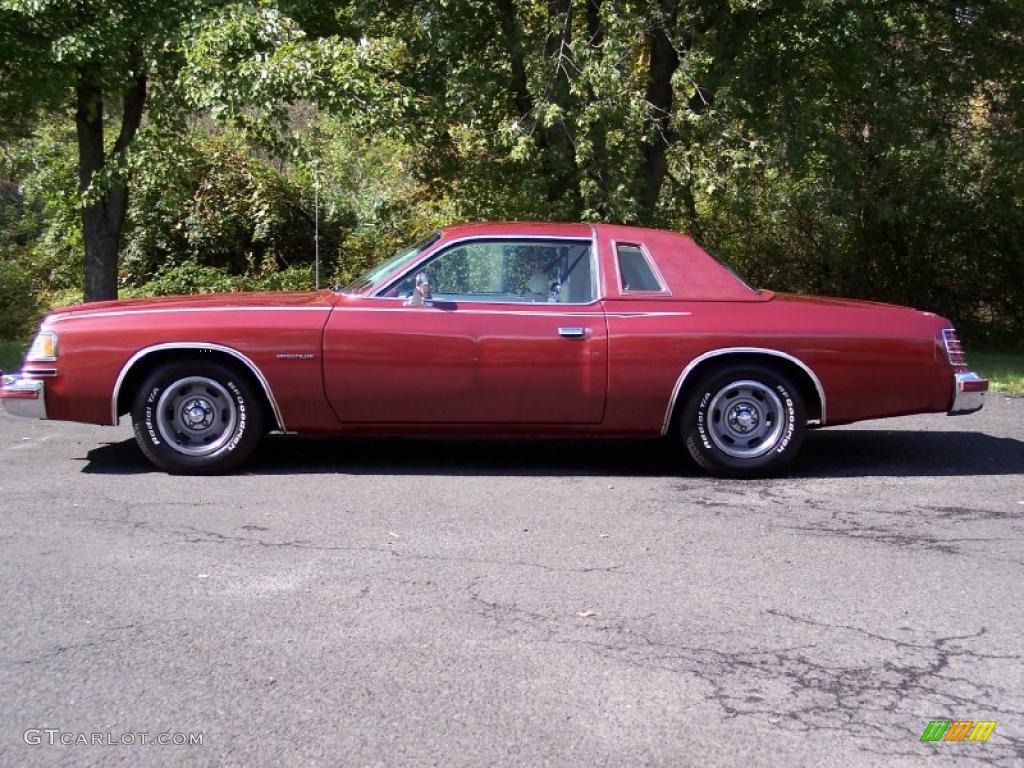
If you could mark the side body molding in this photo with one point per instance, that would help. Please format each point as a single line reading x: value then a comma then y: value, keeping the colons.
x: 735, y: 351
x: 199, y: 345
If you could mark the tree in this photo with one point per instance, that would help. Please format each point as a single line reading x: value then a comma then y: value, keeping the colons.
x: 575, y: 104
x: 90, y: 59
x: 859, y: 147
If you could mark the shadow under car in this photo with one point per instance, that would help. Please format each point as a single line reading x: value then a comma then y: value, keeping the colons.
x: 826, y: 453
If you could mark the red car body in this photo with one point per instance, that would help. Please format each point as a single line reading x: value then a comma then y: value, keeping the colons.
x: 364, y: 362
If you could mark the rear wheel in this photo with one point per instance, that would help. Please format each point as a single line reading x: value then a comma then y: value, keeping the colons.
x: 197, y: 418
x: 744, y: 421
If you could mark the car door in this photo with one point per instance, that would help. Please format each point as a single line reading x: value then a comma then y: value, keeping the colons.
x: 512, y: 334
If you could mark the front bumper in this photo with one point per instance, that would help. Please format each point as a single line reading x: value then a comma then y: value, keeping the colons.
x: 968, y: 393
x: 23, y: 397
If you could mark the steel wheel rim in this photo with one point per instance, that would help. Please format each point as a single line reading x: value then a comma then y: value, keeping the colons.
x: 746, y: 419
x: 196, y: 416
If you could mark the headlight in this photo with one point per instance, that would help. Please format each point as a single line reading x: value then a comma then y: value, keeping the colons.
x: 43, y: 349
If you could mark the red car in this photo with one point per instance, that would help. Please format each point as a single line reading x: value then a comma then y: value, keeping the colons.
x: 499, y: 329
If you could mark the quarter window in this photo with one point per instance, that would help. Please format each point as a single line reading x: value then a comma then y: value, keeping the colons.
x: 519, y: 271
x: 635, y: 271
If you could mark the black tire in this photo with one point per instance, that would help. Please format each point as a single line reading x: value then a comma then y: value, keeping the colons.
x: 744, y: 421
x: 197, y: 417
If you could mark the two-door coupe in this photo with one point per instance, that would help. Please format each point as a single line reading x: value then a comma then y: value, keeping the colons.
x: 499, y: 329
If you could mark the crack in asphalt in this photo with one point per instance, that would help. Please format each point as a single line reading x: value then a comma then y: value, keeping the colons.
x: 884, y: 535
x: 852, y: 525
x: 873, y: 701
x: 192, y: 535
x: 58, y: 650
x: 878, y: 702
x: 970, y: 515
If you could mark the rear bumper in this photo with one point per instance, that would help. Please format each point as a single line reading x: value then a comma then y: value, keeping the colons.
x: 968, y: 393
x: 23, y: 397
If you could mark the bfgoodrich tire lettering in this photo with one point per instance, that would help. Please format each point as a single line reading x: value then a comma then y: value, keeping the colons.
x: 197, y: 417
x: 744, y: 421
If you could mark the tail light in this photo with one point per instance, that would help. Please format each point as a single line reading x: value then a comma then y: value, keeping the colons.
x: 954, y: 349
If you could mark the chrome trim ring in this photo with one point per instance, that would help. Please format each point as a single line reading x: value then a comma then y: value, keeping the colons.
x: 196, y: 416
x: 746, y: 419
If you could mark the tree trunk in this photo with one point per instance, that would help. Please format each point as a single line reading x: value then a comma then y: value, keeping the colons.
x: 513, y: 34
x: 104, y: 211
x: 596, y: 166
x: 561, y: 169
x: 664, y: 62
x: 555, y: 150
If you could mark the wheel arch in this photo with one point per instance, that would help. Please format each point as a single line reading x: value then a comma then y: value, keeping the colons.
x: 145, y: 360
x: 803, y: 375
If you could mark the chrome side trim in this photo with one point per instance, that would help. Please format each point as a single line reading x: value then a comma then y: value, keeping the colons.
x: 86, y: 315
x: 595, y: 262
x: 401, y: 308
x: 740, y: 350
x: 549, y: 310
x: 632, y: 315
x: 195, y: 345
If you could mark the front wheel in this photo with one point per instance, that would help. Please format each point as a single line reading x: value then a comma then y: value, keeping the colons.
x: 744, y: 421
x: 197, y: 418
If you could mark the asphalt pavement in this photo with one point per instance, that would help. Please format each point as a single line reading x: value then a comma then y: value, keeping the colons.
x: 458, y: 603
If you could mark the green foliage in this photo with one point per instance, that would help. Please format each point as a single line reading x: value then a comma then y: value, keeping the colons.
x: 46, y: 205
x: 19, y: 296
x: 211, y: 201
x: 852, y: 163
x: 11, y: 355
x: 27, y: 267
x: 1005, y: 371
x: 869, y: 148
x: 190, y: 277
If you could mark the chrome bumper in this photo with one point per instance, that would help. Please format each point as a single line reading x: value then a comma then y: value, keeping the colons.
x: 968, y: 393
x: 23, y: 397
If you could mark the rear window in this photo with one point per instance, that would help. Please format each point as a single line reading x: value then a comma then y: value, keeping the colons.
x: 635, y: 271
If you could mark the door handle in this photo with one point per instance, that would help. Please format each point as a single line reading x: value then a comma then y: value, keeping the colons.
x: 572, y: 333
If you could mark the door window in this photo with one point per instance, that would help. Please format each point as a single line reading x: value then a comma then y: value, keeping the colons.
x: 509, y: 271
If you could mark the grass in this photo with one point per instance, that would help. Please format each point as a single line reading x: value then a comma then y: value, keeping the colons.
x: 1005, y: 371
x: 11, y: 353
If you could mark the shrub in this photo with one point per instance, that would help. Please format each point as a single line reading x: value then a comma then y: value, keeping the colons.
x: 190, y: 277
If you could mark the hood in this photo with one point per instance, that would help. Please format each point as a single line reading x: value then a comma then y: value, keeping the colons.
x: 324, y: 298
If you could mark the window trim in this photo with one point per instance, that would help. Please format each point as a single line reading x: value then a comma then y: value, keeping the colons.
x: 663, y: 290
x: 427, y: 243
x: 445, y: 246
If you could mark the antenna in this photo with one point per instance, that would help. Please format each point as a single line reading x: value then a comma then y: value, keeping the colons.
x: 316, y: 227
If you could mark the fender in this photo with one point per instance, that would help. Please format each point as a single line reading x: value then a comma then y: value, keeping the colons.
x: 733, y: 351
x: 203, y: 345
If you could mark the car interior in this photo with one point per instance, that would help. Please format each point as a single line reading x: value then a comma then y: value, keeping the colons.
x: 506, y: 271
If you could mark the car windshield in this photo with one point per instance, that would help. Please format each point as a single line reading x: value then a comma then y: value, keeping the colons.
x: 379, y: 271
